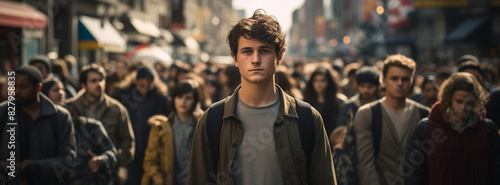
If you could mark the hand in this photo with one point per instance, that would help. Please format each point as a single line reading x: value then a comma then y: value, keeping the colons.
x: 95, y: 162
x: 28, y: 167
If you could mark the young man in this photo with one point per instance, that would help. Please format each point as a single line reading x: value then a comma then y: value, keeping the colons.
x: 44, y: 137
x: 383, y: 128
x: 367, y: 80
x: 456, y: 144
x: 259, y: 136
x: 92, y: 102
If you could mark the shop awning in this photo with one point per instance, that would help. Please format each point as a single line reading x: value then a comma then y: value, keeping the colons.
x: 187, y: 43
x: 465, y: 29
x: 145, y: 27
x: 139, y: 30
x: 17, y: 14
x: 95, y: 34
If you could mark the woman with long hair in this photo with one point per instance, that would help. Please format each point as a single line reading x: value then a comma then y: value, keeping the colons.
x: 167, y: 155
x: 323, y: 93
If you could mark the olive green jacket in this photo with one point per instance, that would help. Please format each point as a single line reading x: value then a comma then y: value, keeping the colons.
x: 292, y: 158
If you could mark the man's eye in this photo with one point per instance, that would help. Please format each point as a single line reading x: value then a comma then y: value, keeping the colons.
x: 264, y: 51
x: 247, y: 51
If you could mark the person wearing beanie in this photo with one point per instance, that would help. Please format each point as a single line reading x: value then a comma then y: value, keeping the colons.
x: 44, y: 135
x: 470, y: 64
x: 42, y: 63
x: 368, y: 82
x: 144, y: 95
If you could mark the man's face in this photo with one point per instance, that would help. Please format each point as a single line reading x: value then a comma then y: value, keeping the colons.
x: 397, y: 82
x: 95, y: 85
x: 474, y: 72
x: 42, y: 67
x: 256, y: 60
x: 430, y: 90
x: 144, y: 85
x: 367, y: 91
x: 26, y: 91
x: 463, y: 103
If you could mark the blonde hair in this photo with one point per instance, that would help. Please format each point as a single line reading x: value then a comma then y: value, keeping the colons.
x: 466, y: 82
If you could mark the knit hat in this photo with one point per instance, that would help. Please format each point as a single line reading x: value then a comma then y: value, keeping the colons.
x: 42, y: 59
x: 465, y: 58
x: 33, y: 73
x: 145, y: 72
x: 367, y: 74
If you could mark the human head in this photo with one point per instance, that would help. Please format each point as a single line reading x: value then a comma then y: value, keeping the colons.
x: 92, y: 80
x: 42, y: 63
x: 121, y: 68
x: 28, y: 84
x: 186, y: 93
x: 471, y: 67
x: 430, y: 87
x: 144, y: 80
x: 463, y: 81
x: 397, y: 74
x: 54, y: 90
x: 260, y: 26
x: 367, y: 80
x: 321, y: 81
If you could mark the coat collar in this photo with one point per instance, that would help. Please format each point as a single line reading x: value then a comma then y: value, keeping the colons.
x: 287, y: 105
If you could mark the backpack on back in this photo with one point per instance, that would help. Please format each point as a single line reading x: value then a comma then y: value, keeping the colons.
x: 345, y: 159
x: 305, y: 123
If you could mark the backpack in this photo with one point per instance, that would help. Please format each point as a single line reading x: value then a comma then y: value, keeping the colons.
x: 306, y: 130
x: 345, y: 159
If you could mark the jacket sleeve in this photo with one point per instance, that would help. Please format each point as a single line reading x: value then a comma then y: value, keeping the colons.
x: 415, y: 169
x: 152, y: 162
x: 60, y: 166
x: 202, y: 169
x: 494, y: 143
x: 321, y: 171
x: 109, y: 151
x: 126, y: 145
x: 367, y: 173
x: 343, y: 116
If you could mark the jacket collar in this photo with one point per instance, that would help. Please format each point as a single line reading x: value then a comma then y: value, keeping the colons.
x: 287, y: 105
x: 81, y: 103
x: 47, y: 106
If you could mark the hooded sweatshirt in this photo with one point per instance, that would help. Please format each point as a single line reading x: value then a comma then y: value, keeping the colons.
x: 463, y: 156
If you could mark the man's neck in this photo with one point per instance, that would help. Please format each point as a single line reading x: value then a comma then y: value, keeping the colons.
x: 365, y: 101
x: 92, y: 99
x: 395, y: 104
x: 258, y: 95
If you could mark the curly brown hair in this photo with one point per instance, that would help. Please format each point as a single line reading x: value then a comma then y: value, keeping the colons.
x: 398, y: 60
x: 466, y: 82
x: 260, y: 26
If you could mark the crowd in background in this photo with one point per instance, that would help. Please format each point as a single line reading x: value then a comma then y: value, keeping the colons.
x: 162, y: 103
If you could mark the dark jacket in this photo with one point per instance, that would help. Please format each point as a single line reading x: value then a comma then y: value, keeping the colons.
x: 52, y: 142
x: 91, y: 136
x: 202, y: 169
x: 348, y: 110
x: 469, y: 157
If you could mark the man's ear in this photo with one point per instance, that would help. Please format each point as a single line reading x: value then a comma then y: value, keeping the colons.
x: 280, y: 58
x: 39, y: 87
x: 82, y: 86
x: 234, y: 60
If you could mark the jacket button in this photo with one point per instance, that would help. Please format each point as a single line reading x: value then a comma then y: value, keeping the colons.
x: 235, y: 145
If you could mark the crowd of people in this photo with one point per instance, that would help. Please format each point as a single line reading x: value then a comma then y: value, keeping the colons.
x: 388, y: 121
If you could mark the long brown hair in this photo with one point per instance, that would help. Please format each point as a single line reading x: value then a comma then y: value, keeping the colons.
x: 465, y: 82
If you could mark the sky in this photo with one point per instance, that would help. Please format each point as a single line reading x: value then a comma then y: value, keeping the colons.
x: 281, y: 9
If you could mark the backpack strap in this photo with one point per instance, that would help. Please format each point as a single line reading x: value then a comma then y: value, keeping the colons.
x: 306, y: 130
x: 376, y: 127
x: 214, y: 126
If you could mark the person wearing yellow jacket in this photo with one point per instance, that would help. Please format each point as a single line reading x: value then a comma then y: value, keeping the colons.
x: 166, y: 158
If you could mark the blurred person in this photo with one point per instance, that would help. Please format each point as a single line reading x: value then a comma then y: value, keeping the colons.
x: 456, y: 144
x: 3, y: 88
x: 442, y: 74
x: 228, y: 79
x: 368, y: 82
x: 60, y: 70
x: 490, y: 74
x: 96, y: 155
x: 287, y: 83
x: 5, y: 67
x: 45, y: 136
x: 204, y: 99
x: 167, y: 155
x: 143, y: 95
x: 161, y: 70
x: 258, y: 106
x: 72, y: 65
x: 54, y: 90
x: 429, y: 91
x: 213, y: 88
x: 322, y: 92
x: 92, y: 102
x: 112, y: 81
x: 348, y: 84
x: 177, y: 71
x: 472, y: 66
x: 43, y: 64
x: 383, y: 128
x: 493, y: 107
